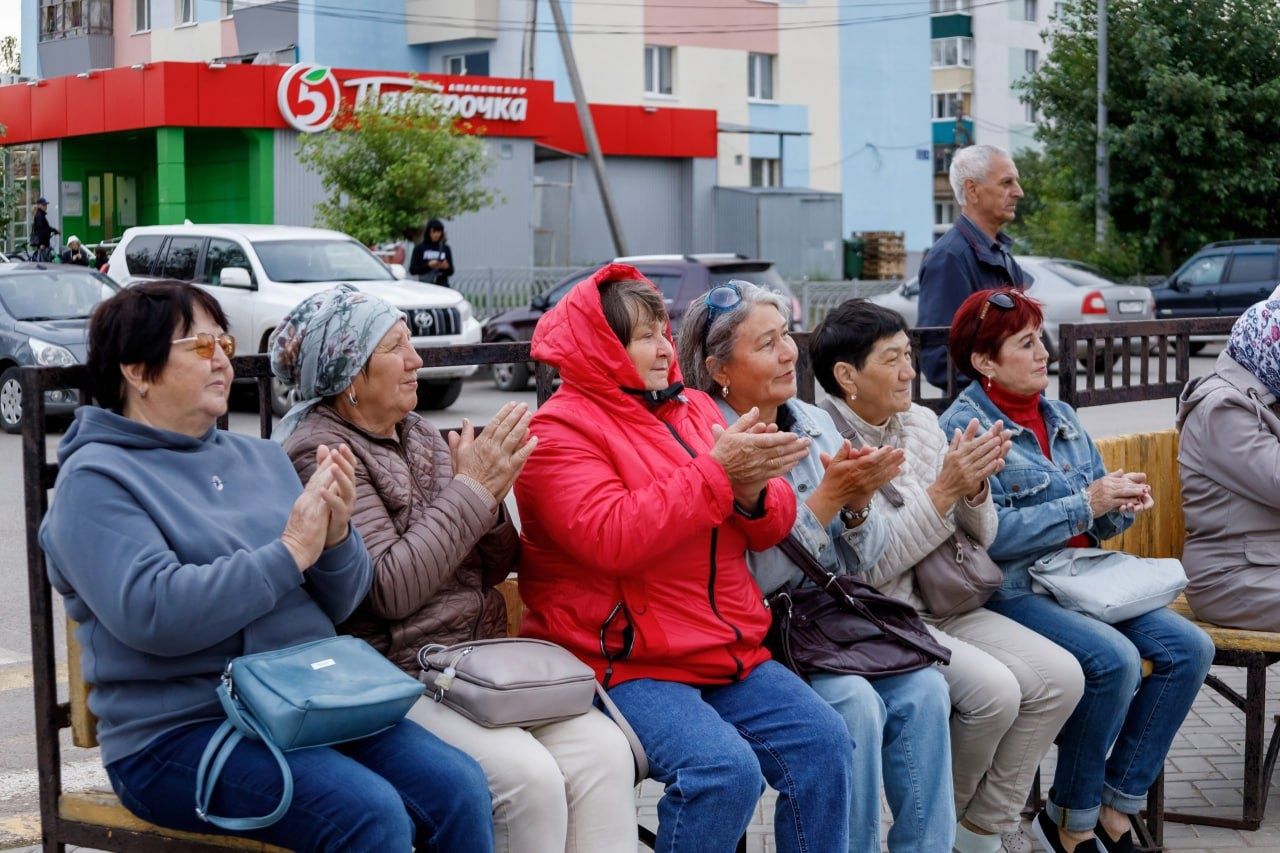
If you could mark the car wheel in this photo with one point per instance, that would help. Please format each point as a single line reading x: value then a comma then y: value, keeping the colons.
x: 513, y: 376
x: 436, y: 396
x: 1099, y: 363
x: 283, y: 397
x: 1197, y: 347
x: 10, y: 401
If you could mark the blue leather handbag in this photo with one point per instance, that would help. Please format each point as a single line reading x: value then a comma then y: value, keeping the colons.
x: 316, y: 694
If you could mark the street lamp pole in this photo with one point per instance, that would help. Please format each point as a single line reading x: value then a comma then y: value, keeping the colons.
x: 1102, y: 199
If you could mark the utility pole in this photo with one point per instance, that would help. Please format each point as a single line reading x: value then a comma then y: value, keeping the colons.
x: 530, y: 40
x: 1102, y: 200
x: 588, y: 130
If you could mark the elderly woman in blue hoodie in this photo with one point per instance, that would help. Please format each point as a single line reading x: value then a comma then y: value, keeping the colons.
x: 178, y: 546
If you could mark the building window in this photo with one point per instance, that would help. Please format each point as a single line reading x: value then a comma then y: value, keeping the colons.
x: 23, y: 177
x: 766, y: 172
x: 658, y: 61
x: 1059, y: 9
x: 228, y: 6
x: 944, y: 212
x: 1029, y: 10
x: 760, y: 75
x: 141, y: 15
x: 942, y: 155
x: 468, y: 64
x: 953, y: 52
x: 948, y: 104
x: 186, y: 11
x: 942, y: 7
x: 65, y: 18
x: 1031, y: 60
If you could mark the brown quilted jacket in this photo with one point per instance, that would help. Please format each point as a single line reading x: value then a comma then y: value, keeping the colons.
x: 438, y: 547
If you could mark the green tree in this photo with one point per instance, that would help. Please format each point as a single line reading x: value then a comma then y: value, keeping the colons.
x: 10, y: 57
x: 388, y: 166
x: 1193, y: 100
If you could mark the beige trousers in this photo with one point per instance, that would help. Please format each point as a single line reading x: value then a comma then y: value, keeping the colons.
x: 560, y: 786
x: 1011, y: 691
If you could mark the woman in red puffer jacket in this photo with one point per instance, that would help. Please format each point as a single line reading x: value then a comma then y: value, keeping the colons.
x: 638, y: 507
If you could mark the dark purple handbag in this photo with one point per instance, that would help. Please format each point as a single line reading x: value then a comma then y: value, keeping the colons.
x: 842, y: 625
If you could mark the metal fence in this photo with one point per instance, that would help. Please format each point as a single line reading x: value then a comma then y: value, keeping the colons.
x: 492, y: 290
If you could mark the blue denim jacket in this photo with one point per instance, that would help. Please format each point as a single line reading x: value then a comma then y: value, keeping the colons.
x: 841, y: 550
x: 1041, y: 503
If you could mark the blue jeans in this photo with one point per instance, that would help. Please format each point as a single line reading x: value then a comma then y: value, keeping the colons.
x: 906, y: 716
x: 709, y: 746
x: 1139, y: 716
x: 399, y: 790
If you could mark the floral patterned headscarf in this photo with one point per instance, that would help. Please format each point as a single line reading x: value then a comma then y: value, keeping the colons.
x: 323, y: 343
x: 1255, y: 343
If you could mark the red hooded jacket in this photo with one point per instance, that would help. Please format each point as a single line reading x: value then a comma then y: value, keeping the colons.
x: 631, y: 543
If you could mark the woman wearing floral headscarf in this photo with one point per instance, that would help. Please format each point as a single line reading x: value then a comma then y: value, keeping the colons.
x: 1230, y: 462
x: 431, y: 515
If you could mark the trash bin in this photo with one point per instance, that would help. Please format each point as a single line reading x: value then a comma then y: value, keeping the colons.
x: 853, y: 259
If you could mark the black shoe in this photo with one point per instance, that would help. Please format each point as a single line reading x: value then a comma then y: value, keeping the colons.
x: 1045, y: 832
x: 1123, y: 844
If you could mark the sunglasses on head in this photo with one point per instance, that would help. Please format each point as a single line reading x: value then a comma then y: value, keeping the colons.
x: 1000, y: 299
x: 719, y: 300
x: 205, y: 342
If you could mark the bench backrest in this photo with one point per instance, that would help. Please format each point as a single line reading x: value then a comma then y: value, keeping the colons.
x: 1161, y: 531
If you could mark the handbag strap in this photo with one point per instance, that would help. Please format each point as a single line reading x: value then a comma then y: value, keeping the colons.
x: 850, y: 433
x: 637, y: 748
x: 238, y: 725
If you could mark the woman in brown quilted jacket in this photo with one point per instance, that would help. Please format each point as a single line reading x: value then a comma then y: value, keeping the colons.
x: 431, y: 514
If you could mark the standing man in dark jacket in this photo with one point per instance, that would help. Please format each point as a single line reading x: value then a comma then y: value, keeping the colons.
x: 432, y: 259
x: 41, y: 242
x: 974, y: 254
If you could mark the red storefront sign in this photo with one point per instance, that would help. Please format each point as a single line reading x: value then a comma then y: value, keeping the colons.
x: 308, y: 98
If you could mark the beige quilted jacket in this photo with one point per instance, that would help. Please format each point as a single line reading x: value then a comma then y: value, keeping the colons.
x: 438, y: 542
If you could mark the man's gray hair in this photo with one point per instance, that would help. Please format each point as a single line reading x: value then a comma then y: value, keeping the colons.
x: 693, y: 355
x: 971, y: 164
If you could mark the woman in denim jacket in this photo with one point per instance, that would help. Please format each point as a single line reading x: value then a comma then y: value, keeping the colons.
x: 1054, y: 493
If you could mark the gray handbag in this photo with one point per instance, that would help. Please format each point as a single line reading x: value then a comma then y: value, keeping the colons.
x: 515, y: 681
x: 1110, y: 586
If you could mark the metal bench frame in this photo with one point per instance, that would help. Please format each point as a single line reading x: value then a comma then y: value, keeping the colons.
x: 39, y: 475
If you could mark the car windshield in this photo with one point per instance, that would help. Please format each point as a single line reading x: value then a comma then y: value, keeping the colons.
x: 304, y: 261
x: 54, y: 295
x: 1081, y: 275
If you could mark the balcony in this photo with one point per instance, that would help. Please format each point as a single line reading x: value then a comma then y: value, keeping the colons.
x: 75, y: 36
x: 266, y: 27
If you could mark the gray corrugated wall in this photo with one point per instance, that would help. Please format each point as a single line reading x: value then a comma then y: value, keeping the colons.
x: 297, y: 189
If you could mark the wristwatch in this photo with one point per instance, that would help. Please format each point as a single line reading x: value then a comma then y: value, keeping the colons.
x: 854, y: 517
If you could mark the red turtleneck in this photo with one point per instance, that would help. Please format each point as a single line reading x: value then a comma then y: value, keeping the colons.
x: 1024, y: 410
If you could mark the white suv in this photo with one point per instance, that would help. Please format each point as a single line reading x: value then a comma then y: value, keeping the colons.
x: 259, y: 272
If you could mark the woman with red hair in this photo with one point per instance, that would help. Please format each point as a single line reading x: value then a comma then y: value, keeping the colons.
x: 1055, y: 493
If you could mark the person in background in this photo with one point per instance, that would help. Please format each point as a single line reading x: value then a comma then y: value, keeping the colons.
x: 41, y: 242
x: 1229, y: 458
x: 975, y: 254
x: 638, y: 510
x: 76, y: 253
x: 431, y: 514
x: 101, y: 257
x: 177, y: 546
x: 432, y: 260
x: 1055, y: 493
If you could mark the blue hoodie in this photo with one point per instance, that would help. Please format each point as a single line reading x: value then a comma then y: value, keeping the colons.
x: 166, y: 549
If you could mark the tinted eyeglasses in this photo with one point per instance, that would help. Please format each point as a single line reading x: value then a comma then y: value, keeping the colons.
x: 1000, y: 299
x: 205, y: 342
x: 720, y: 300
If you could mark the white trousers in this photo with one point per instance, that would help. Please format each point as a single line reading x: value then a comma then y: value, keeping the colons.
x: 559, y: 786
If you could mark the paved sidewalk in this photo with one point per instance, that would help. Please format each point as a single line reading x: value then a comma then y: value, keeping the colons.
x: 1202, y: 774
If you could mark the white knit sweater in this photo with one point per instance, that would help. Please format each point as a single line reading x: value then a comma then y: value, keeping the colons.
x: 916, y: 528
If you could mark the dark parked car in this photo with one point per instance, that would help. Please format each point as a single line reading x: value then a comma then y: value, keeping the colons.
x: 44, y: 315
x: 679, y: 277
x: 1220, y: 280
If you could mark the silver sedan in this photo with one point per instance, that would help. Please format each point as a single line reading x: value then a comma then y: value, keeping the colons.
x: 1071, y: 292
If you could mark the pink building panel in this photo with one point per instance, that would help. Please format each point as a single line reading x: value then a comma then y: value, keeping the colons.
x: 747, y: 25
x: 130, y: 48
x: 230, y: 47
